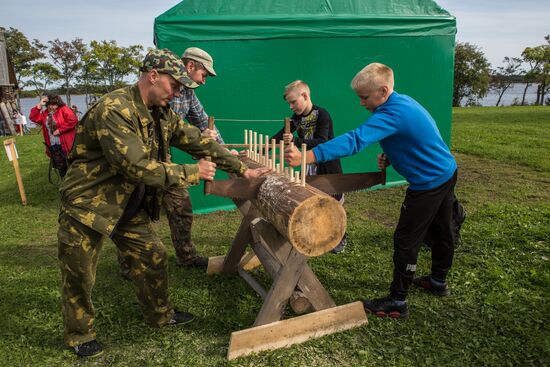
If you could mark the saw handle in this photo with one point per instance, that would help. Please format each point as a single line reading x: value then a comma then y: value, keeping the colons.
x: 287, y: 131
x: 384, y: 169
x: 208, y: 184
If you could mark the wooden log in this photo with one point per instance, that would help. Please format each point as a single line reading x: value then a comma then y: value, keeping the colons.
x: 299, y: 302
x: 7, y: 117
x: 311, y: 220
x: 249, y: 261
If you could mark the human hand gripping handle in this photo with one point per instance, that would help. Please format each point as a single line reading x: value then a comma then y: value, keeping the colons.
x: 207, y: 170
x: 210, y: 133
x: 293, y: 157
x: 383, y: 161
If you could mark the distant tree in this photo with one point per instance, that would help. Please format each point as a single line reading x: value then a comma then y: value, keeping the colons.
x: 538, y: 59
x: 89, y: 77
x: 41, y: 75
x: 503, y: 77
x: 472, y: 74
x: 22, y: 52
x: 67, y: 57
x: 115, y: 63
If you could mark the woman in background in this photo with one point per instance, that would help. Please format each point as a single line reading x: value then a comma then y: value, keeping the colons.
x: 58, y: 123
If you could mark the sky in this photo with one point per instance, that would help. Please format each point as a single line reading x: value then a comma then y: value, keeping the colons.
x: 499, y: 27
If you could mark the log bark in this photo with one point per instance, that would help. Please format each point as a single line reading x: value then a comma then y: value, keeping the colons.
x: 312, y: 221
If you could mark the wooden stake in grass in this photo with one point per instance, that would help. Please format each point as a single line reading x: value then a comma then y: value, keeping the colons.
x: 11, y: 152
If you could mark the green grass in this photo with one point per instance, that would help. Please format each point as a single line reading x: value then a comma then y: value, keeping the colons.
x: 498, y: 314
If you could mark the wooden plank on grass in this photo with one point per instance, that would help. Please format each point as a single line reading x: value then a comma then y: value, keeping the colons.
x: 297, y: 330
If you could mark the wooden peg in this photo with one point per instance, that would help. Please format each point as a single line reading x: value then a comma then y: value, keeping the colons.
x: 261, y: 149
x: 266, y: 155
x: 282, y: 156
x: 304, y: 166
x: 255, y: 150
x: 273, y: 153
x: 250, y: 143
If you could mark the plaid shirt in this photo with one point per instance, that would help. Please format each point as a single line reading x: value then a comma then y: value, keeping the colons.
x: 189, y: 107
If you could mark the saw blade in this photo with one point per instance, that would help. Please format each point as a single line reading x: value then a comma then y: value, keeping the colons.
x: 339, y: 183
x: 235, y: 188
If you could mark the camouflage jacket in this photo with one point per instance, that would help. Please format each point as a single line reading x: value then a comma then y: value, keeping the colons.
x: 117, y: 146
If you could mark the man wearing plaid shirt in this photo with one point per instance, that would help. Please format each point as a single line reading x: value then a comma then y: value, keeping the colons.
x: 177, y: 203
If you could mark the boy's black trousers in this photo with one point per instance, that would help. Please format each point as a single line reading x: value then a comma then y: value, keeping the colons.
x: 423, y: 211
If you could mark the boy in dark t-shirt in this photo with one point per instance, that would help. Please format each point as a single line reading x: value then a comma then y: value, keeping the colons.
x: 313, y: 126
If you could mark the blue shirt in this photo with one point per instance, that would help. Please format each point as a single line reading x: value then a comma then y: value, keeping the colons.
x: 407, y: 134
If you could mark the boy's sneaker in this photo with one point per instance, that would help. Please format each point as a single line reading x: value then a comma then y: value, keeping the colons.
x: 387, y: 306
x: 88, y: 349
x: 181, y: 318
x: 428, y: 284
x: 341, y: 246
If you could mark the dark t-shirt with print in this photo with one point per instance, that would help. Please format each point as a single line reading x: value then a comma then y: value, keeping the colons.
x: 313, y: 129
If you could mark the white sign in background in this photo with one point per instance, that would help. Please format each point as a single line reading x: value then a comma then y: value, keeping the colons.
x: 8, y: 151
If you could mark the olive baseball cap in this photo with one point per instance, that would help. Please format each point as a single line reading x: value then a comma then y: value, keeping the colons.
x: 195, y: 53
x: 166, y: 62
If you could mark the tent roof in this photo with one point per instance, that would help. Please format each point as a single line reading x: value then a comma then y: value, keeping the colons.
x: 213, y: 20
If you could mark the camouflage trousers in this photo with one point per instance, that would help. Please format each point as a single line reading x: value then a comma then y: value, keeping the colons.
x: 177, y: 205
x: 179, y: 211
x: 79, y: 248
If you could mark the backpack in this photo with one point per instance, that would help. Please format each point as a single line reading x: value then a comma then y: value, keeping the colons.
x: 458, y: 218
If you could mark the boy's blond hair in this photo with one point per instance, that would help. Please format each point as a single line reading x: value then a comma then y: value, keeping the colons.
x: 373, y: 76
x: 296, y: 86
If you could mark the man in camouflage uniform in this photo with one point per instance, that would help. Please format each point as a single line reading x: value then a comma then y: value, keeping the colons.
x: 117, y: 171
x: 177, y: 202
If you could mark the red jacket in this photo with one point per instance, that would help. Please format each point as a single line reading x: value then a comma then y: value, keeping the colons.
x: 66, y: 122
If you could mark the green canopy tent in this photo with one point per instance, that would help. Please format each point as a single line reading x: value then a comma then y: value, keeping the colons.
x: 260, y: 46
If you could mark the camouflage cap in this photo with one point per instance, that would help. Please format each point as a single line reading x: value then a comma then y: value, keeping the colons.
x: 166, y: 62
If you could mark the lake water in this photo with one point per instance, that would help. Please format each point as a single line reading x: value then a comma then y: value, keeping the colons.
x: 28, y: 103
x: 515, y: 91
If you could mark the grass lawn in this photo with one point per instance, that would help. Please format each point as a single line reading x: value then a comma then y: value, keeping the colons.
x: 498, y: 313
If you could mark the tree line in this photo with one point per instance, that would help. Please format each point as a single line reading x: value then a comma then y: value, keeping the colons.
x: 474, y: 77
x: 96, y: 68
x: 102, y: 66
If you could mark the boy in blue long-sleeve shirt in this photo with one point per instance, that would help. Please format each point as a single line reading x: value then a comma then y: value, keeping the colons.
x: 411, y: 141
